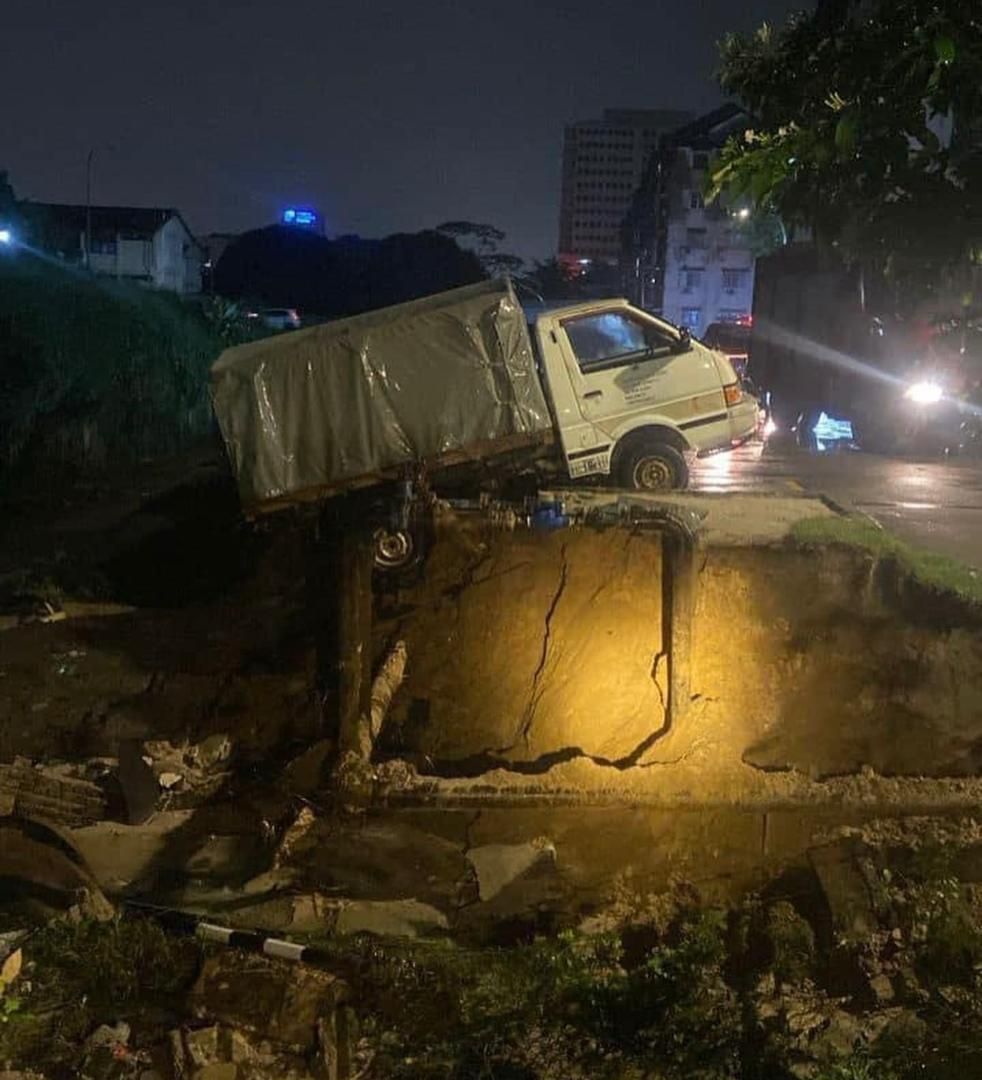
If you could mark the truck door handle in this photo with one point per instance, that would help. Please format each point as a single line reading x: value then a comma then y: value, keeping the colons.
x: 594, y: 393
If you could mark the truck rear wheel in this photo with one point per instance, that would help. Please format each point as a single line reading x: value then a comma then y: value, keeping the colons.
x: 395, y: 549
x: 652, y: 466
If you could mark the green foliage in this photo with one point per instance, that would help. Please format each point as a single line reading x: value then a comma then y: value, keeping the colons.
x: 570, y: 1006
x: 935, y: 571
x: 94, y: 370
x: 228, y: 322
x: 793, y: 944
x: 87, y: 973
x: 867, y: 128
x: 948, y: 942
x: 860, y: 1067
x: 111, y: 964
x: 483, y: 240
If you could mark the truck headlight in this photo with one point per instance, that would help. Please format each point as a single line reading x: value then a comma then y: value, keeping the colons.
x: 924, y: 393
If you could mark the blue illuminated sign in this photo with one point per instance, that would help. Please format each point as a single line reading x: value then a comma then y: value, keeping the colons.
x: 293, y: 216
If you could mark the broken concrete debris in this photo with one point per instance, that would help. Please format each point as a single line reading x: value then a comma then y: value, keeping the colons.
x: 390, y: 918
x: 296, y: 1007
x: 847, y: 886
x: 41, y: 861
x: 294, y: 836
x: 499, y: 865
x: 52, y: 793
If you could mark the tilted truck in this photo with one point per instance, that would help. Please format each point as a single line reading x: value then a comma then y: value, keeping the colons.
x: 597, y: 390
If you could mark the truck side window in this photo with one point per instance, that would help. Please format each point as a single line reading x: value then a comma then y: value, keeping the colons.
x: 608, y: 340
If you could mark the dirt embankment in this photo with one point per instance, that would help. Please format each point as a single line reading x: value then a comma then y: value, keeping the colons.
x: 530, y: 651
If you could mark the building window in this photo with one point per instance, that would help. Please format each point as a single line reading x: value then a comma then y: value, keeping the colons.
x: 695, y: 200
x: 690, y: 280
x: 695, y: 239
x: 700, y: 161
x: 734, y: 279
x: 103, y: 247
x: 691, y: 317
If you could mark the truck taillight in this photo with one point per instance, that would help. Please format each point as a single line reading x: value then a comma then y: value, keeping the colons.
x: 733, y: 393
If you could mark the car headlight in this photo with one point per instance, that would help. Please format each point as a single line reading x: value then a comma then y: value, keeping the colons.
x: 924, y: 393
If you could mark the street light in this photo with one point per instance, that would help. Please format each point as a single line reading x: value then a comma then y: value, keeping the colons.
x: 6, y: 237
x: 88, y: 198
x: 88, y: 205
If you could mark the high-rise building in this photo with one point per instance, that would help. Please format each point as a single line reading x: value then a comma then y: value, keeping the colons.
x: 604, y: 162
x: 688, y: 261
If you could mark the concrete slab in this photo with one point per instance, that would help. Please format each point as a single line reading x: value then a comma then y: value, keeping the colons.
x: 727, y: 520
x: 498, y: 865
x: 390, y: 918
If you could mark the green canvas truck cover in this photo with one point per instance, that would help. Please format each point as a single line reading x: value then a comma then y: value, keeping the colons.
x: 314, y: 411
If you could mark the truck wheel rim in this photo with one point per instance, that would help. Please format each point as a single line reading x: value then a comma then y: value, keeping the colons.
x: 652, y: 474
x: 392, y: 549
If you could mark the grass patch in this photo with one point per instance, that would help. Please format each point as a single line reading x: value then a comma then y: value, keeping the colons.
x: 570, y: 1007
x: 935, y: 571
x: 80, y: 975
x: 96, y: 371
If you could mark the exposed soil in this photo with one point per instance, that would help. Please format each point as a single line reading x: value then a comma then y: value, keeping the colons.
x: 175, y: 744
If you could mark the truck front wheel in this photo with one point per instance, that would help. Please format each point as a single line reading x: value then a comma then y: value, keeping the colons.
x: 652, y: 466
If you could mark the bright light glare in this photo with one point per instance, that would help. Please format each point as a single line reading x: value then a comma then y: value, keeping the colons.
x: 6, y: 236
x: 925, y: 393
x: 743, y: 213
x: 770, y: 428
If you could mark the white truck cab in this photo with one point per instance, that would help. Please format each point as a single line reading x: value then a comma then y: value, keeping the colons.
x: 631, y: 394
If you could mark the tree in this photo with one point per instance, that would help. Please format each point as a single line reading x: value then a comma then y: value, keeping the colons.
x: 552, y: 280
x: 409, y: 265
x: 483, y: 240
x: 283, y: 266
x: 867, y: 131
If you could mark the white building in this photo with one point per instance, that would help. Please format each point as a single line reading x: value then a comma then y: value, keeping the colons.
x: 709, y: 267
x: 146, y: 244
x: 693, y: 264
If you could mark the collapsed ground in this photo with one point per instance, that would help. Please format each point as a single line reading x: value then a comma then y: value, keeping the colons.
x: 166, y: 715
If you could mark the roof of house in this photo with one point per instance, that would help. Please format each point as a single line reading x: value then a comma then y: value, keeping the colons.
x: 711, y: 129
x: 135, y: 220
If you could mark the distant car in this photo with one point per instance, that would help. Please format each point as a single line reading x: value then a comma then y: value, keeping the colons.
x: 280, y: 318
x: 731, y: 339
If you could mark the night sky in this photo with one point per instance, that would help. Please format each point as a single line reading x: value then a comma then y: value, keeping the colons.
x: 386, y: 116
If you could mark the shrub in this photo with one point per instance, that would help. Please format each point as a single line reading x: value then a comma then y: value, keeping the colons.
x: 93, y: 370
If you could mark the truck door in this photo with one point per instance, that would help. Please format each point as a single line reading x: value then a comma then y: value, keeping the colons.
x: 621, y: 364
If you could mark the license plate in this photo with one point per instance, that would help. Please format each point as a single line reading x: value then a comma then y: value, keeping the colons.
x: 596, y: 463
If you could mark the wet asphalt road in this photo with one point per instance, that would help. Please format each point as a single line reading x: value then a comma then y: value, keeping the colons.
x: 936, y: 504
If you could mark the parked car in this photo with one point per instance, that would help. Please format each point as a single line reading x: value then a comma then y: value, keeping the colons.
x: 280, y: 318
x: 732, y: 339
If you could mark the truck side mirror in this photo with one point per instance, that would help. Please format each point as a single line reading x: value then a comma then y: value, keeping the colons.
x: 684, y: 342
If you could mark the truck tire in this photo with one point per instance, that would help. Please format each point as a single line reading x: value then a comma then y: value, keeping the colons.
x: 652, y: 466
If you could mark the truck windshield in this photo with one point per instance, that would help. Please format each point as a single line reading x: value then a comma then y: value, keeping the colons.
x: 610, y: 338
